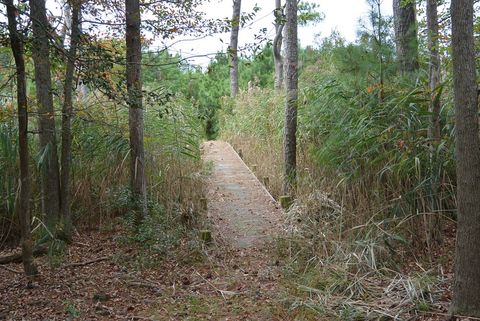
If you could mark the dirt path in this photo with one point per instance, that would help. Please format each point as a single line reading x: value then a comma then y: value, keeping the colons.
x: 242, y: 210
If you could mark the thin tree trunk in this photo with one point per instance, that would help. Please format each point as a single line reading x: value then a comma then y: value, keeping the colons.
x: 434, y: 68
x: 67, y: 112
x: 291, y: 101
x: 466, y: 299
x: 381, y: 92
x: 406, y: 35
x: 434, y: 228
x: 233, y: 48
x: 277, y: 44
x: 46, y: 115
x: 135, y: 116
x: 23, y: 209
x: 67, y: 14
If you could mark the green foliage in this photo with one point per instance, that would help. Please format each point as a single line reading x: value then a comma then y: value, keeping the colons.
x: 308, y: 13
x: 160, y: 235
x: 359, y: 139
x: 349, y: 313
x: 423, y: 306
x: 155, y: 232
x: 56, y: 252
x: 255, y: 114
x: 71, y: 309
x: 205, y: 89
x: 369, y: 177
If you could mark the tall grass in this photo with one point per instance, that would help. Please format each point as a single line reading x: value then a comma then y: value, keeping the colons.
x: 369, y: 182
x: 100, y: 165
x: 373, y: 158
x: 253, y: 123
x: 101, y: 160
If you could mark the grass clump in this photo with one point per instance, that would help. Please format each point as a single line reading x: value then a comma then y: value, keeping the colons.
x: 163, y: 236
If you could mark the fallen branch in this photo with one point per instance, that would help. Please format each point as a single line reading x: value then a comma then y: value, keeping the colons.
x: 134, y: 317
x: 147, y: 285
x: 38, y: 250
x: 100, y: 259
x: 222, y: 292
x: 11, y: 270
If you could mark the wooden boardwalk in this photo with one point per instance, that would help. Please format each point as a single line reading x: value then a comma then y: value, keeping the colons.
x: 242, y: 210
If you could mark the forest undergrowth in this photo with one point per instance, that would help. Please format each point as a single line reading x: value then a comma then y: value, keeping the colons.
x: 112, y: 268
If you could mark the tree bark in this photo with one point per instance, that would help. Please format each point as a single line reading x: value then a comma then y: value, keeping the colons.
x: 434, y: 68
x: 67, y: 113
x: 23, y: 205
x: 135, y: 119
x: 46, y: 116
x: 434, y: 132
x: 406, y: 35
x: 277, y: 44
x: 466, y: 300
x: 233, y: 48
x: 67, y: 16
x: 378, y: 23
x: 291, y: 100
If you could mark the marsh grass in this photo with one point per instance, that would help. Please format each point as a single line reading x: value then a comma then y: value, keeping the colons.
x: 374, y: 161
x: 369, y: 183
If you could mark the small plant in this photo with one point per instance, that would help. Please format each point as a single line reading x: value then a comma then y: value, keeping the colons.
x: 350, y: 313
x: 423, y: 306
x: 162, y: 234
x: 56, y: 252
x: 71, y: 309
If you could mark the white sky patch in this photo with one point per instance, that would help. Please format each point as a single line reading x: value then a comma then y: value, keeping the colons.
x: 340, y: 15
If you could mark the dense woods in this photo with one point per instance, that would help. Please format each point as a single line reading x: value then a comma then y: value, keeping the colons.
x: 112, y: 199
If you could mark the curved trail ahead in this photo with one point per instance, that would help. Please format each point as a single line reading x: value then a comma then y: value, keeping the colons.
x: 243, y: 212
